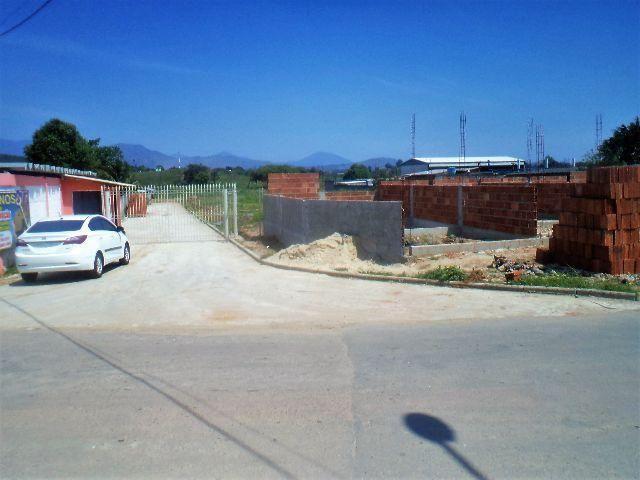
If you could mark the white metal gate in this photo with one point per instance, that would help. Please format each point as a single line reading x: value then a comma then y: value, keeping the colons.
x: 173, y: 213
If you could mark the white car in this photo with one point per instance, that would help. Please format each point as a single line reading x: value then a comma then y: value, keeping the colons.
x: 71, y: 243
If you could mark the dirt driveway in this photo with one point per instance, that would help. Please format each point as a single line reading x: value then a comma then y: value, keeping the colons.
x: 212, y: 283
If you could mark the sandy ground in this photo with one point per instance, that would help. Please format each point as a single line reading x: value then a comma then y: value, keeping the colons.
x: 178, y: 286
x: 339, y: 252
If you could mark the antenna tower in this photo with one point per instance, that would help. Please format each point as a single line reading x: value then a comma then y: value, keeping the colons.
x: 529, y: 141
x: 463, y: 138
x: 539, y: 145
x: 598, y: 130
x: 413, y: 136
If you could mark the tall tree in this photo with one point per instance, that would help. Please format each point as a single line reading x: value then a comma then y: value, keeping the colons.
x: 111, y: 163
x: 623, y: 148
x: 60, y: 144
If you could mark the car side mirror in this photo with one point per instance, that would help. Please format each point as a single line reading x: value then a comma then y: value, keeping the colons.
x: 121, y: 229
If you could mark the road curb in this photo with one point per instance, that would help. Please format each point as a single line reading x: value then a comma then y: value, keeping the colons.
x: 420, y: 281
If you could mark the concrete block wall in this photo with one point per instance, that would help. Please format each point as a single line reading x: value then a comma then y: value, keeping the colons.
x: 377, y: 226
x: 599, y: 228
x: 294, y: 185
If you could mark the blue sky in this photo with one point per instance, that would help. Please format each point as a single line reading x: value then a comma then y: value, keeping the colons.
x: 280, y: 80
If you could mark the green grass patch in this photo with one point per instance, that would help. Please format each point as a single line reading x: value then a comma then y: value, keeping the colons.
x: 442, y: 274
x: 449, y: 273
x: 577, y: 281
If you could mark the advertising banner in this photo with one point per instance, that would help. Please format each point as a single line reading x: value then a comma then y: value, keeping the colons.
x: 14, y: 215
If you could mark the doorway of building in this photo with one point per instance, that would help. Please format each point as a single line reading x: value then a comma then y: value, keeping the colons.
x: 87, y: 203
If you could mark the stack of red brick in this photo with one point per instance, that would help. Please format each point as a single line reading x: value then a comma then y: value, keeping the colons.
x: 294, y: 185
x: 599, y: 228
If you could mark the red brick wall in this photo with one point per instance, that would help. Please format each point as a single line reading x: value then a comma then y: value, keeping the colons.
x: 438, y: 203
x: 504, y: 208
x: 346, y: 195
x: 599, y: 228
x: 295, y: 185
x: 394, y: 191
x: 551, y: 195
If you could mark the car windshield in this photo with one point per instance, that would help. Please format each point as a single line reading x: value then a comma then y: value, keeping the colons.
x: 52, y: 226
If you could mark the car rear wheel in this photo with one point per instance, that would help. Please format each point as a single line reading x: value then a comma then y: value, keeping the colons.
x: 98, y: 266
x: 127, y: 255
x: 29, y: 277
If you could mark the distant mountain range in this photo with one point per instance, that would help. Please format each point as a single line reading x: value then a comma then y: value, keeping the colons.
x: 141, y: 156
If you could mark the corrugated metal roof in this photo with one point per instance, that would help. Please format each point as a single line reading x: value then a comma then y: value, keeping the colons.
x: 468, y: 161
x: 38, y: 168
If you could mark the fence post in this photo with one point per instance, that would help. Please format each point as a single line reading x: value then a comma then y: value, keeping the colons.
x: 226, y: 214
x: 235, y: 210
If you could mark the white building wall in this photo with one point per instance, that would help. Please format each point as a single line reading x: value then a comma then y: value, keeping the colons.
x: 44, y: 201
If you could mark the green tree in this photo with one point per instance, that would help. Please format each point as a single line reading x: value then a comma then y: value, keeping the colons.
x: 196, y: 173
x: 60, y: 144
x: 356, y: 171
x: 623, y: 147
x: 111, y: 163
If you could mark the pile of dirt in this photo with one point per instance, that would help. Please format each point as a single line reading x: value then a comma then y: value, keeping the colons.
x: 340, y: 253
x: 337, y: 252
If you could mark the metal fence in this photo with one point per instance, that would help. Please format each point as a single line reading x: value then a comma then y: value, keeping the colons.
x: 173, y: 213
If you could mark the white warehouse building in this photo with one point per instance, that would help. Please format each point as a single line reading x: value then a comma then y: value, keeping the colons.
x: 427, y: 165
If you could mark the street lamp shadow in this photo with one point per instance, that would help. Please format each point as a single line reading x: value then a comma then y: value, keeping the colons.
x: 438, y: 432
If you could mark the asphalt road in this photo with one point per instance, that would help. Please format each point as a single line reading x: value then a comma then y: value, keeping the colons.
x: 194, y: 361
x: 534, y: 398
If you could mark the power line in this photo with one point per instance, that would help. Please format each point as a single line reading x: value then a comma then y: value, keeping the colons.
x: 11, y: 14
x: 26, y: 19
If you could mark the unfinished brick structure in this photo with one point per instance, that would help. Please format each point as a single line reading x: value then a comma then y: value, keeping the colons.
x: 349, y: 195
x: 294, y: 185
x: 503, y: 208
x: 599, y: 228
x: 509, y: 209
x: 435, y: 203
x: 551, y: 189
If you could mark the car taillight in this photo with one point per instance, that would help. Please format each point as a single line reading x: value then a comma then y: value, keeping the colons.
x: 21, y: 243
x: 75, y: 240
